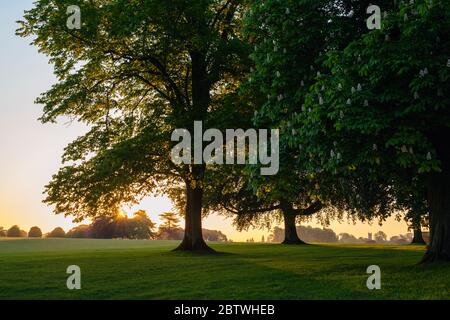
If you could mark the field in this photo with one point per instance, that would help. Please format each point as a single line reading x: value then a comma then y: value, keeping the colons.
x: 128, y: 269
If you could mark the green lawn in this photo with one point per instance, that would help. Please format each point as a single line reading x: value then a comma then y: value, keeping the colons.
x: 128, y: 269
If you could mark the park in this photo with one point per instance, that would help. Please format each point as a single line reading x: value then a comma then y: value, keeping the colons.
x: 247, y: 115
x: 141, y: 269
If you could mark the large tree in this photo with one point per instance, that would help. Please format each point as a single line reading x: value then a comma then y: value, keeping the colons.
x: 384, y: 108
x: 233, y: 196
x: 290, y: 41
x: 134, y: 72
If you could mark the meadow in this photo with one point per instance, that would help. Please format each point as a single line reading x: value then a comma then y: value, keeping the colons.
x: 141, y: 269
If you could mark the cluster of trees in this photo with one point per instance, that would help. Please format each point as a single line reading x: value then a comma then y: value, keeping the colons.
x: 311, y: 234
x: 34, y: 232
x: 308, y: 234
x: 14, y: 232
x: 140, y: 226
x: 363, y: 114
x: 379, y: 237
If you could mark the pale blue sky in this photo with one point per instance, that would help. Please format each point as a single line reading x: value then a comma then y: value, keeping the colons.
x: 30, y: 151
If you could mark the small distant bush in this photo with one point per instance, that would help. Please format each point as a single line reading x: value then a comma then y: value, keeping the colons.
x: 14, y: 232
x: 2, y: 233
x: 57, y: 233
x: 35, y: 232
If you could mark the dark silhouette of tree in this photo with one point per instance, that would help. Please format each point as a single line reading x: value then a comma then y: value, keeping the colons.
x: 58, y: 232
x: 380, y: 237
x: 14, y: 232
x: 170, y: 220
x: 140, y: 226
x: 308, y: 234
x: 35, y: 232
x: 214, y: 235
x: 103, y: 227
x: 81, y: 231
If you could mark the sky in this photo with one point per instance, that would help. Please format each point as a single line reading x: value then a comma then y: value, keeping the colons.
x: 30, y: 152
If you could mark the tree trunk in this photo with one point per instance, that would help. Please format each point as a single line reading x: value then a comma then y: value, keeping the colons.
x: 418, y: 238
x: 438, y: 197
x: 439, y: 206
x: 193, y: 237
x: 290, y: 229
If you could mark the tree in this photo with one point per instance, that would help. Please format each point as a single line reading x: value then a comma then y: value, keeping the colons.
x: 14, y: 232
x: 81, y: 231
x: 309, y: 234
x: 230, y: 193
x: 2, y: 232
x: 134, y: 73
x: 170, y: 220
x: 290, y: 41
x: 386, y: 115
x: 214, y: 235
x: 380, y: 237
x: 416, y: 211
x: 58, y: 232
x: 35, y: 232
x: 140, y: 226
x: 103, y: 227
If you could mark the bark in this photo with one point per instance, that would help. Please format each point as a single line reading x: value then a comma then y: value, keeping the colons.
x: 439, y: 206
x: 193, y: 237
x: 438, y: 197
x: 418, y: 238
x: 290, y: 229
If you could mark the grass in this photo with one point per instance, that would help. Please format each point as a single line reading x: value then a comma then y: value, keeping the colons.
x: 128, y: 269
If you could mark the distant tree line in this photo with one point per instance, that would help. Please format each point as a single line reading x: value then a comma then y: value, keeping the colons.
x: 310, y: 234
x: 140, y: 226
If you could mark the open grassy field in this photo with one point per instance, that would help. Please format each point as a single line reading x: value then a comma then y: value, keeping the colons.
x: 128, y: 269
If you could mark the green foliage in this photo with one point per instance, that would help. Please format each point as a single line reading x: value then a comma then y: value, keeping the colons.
x: 375, y: 110
x: 291, y: 42
x: 134, y: 72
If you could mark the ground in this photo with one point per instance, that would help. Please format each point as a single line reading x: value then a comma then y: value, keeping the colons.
x: 139, y: 269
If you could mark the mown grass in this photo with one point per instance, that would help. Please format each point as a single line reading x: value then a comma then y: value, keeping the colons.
x: 128, y: 269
